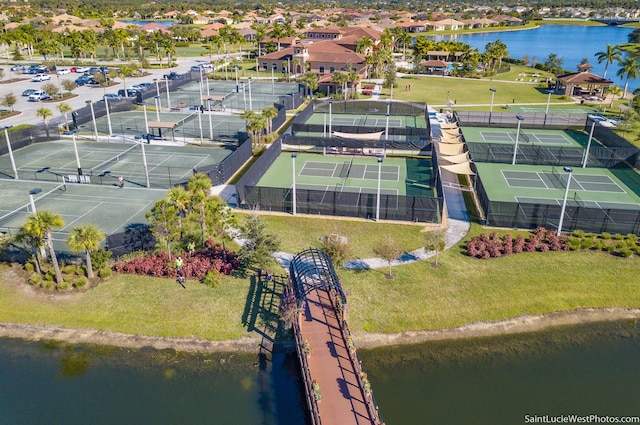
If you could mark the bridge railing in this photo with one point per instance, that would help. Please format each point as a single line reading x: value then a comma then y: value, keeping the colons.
x: 367, y: 393
x: 312, y: 403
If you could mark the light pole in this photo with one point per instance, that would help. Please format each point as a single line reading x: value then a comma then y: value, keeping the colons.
x: 564, y: 200
x: 586, y: 152
x: 106, y: 107
x: 330, y: 119
x: 59, y: 86
x: 273, y: 83
x: 324, y: 124
x: 515, y: 146
x: 13, y: 162
x: 546, y: 111
x: 237, y: 81
x: 386, y: 129
x: 166, y: 80
x: 200, y: 125
x: 93, y: 117
x: 210, y: 124
x: 378, y: 193
x: 155, y: 80
x: 32, y: 192
x: 156, y: 99
x: 75, y: 149
x: 493, y: 93
x: 293, y: 186
x: 250, y: 102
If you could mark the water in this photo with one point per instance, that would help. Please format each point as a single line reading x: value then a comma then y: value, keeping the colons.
x: 583, y: 370
x: 62, y: 384
x: 587, y: 369
x: 165, y: 23
x: 569, y: 42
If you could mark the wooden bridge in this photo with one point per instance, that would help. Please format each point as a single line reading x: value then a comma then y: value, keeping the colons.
x: 337, y: 389
x: 614, y: 20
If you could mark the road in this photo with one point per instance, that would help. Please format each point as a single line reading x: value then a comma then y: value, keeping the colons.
x: 84, y: 93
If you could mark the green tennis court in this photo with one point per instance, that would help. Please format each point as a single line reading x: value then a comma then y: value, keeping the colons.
x: 537, y: 137
x: 111, y: 208
x: 103, y: 163
x: 367, y: 120
x: 398, y: 176
x: 532, y: 183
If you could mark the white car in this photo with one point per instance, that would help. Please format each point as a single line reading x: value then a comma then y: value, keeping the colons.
x: 63, y: 72
x: 38, y: 96
x: 41, y: 77
x: 602, y: 120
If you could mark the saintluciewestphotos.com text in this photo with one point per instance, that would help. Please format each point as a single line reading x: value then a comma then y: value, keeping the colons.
x: 577, y: 419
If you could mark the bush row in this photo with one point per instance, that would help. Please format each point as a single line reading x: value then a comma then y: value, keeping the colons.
x: 213, y: 258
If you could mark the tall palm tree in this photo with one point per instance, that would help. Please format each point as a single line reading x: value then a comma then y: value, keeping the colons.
x: 30, y: 235
x: 180, y: 199
x: 125, y: 71
x: 277, y: 32
x: 199, y: 185
x: 270, y: 112
x: 364, y: 45
x: 64, y: 108
x: 87, y: 238
x: 614, y: 91
x: 609, y: 56
x: 45, y: 114
x: 629, y: 68
x: 44, y: 222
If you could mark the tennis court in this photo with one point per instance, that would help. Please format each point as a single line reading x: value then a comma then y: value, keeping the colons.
x: 104, y: 163
x: 593, y: 186
x: 551, y: 138
x: 367, y: 120
x: 354, y: 174
x: 111, y: 208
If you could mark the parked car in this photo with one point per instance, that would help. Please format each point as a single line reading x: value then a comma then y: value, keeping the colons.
x: 41, y: 77
x: 147, y: 85
x: 63, y: 72
x: 83, y: 79
x: 130, y: 93
x: 19, y: 68
x: 37, y: 69
x: 172, y: 76
x: 29, y: 92
x: 38, y: 96
x: 112, y: 96
x: 603, y: 121
x: 141, y: 88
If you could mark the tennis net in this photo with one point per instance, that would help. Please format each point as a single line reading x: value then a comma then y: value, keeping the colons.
x: 559, y: 176
x: 349, y: 169
x: 27, y: 208
x: 524, y: 137
x: 113, y: 160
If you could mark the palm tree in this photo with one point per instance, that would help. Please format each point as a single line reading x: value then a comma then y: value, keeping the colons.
x: 609, y: 56
x: 43, y: 223
x: 629, y: 68
x: 614, y: 90
x: 30, y: 235
x: 199, y: 185
x: 64, y: 108
x: 45, y: 114
x: 277, y: 32
x: 364, y: 45
x: 310, y: 81
x: 87, y: 238
x: 270, y: 112
x: 180, y: 199
x: 125, y: 71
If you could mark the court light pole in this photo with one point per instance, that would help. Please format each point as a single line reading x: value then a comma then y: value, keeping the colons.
x: 210, y: 124
x: 93, y: 117
x: 32, y: 192
x: 386, y: 129
x: 166, y: 80
x: 546, y: 111
x: 200, y: 125
x: 493, y: 93
x: 294, y: 155
x: 106, y: 107
x: 75, y: 149
x: 586, y: 152
x: 378, y: 193
x: 564, y: 200
x: 13, y: 162
x: 515, y: 146
x: 156, y: 99
x: 330, y: 119
x: 155, y: 80
x: 324, y: 124
x: 250, y: 102
x: 273, y: 83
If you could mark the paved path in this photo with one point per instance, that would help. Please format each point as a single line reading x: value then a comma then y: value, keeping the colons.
x: 343, y: 401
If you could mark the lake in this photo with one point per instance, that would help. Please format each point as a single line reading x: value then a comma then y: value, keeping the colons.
x: 572, y: 43
x: 587, y: 369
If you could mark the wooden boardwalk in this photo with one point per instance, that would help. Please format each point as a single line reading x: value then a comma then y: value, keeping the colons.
x: 335, y: 368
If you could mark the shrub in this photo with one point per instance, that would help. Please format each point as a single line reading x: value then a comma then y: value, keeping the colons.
x: 212, y: 279
x: 29, y: 267
x: 599, y: 245
x: 50, y: 276
x: 47, y: 284
x: 618, y: 237
x: 79, y: 283
x: 632, y: 238
x: 605, y: 235
x: 626, y: 252
x: 586, y: 243
x: 35, y: 279
x: 578, y: 233
x: 573, y: 243
x: 100, y: 258
x: 69, y: 269
x: 104, y: 272
x: 63, y: 285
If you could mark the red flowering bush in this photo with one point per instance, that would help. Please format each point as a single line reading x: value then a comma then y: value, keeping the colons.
x: 213, y: 257
x: 493, y: 246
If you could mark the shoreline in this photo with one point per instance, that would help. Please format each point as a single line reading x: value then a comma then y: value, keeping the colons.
x: 251, y: 344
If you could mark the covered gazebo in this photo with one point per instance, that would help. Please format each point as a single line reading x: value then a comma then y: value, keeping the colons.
x: 582, y: 83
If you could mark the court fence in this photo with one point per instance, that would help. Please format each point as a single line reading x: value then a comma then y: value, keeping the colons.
x: 221, y: 173
x: 577, y: 217
x: 335, y: 203
x: 135, y: 238
x: 529, y: 120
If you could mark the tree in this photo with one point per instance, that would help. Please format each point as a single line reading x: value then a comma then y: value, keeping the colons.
x: 87, y: 238
x: 436, y: 241
x: 259, y: 245
x: 609, y: 56
x: 553, y: 63
x: 199, y: 185
x: 163, y: 218
x: 50, y: 89
x: 629, y: 69
x: 44, y: 222
x: 388, y: 251
x: 64, y: 108
x: 68, y: 85
x: 310, y: 81
x: 45, y: 114
x: 337, y: 248
x: 31, y: 236
x: 180, y: 199
x: 9, y: 100
x: 270, y: 112
x: 614, y: 91
x: 125, y: 71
